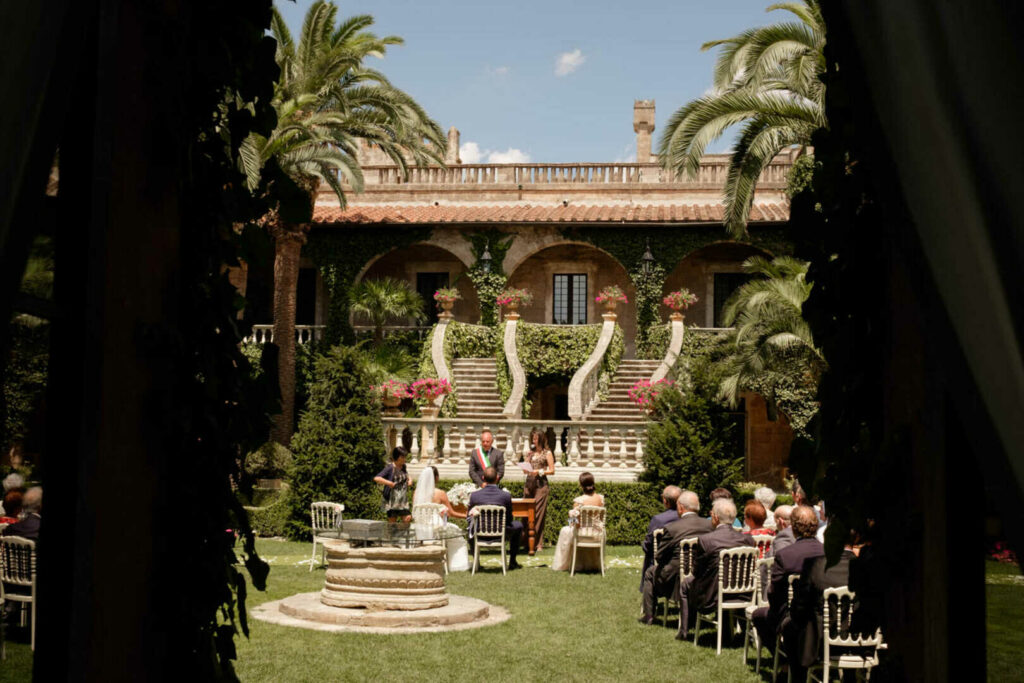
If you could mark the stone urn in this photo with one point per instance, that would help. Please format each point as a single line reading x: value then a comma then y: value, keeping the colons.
x: 446, y: 310
x: 391, y: 404
x: 676, y: 316
x: 429, y: 411
x: 511, y: 310
x: 610, y: 305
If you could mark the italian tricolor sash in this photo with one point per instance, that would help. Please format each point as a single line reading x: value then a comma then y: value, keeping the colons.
x: 485, y: 462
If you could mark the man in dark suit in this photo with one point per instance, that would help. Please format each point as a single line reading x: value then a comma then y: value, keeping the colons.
x: 31, y: 508
x: 700, y: 591
x: 670, y: 499
x: 486, y: 456
x: 661, y: 579
x: 802, y: 632
x: 788, y: 561
x: 490, y: 494
x: 784, y: 534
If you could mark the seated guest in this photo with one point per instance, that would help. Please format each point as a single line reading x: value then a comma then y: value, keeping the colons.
x: 766, y: 497
x: 31, y: 507
x: 669, y: 498
x: 788, y: 560
x: 700, y: 591
x: 490, y: 494
x: 753, y: 519
x: 783, y: 530
x: 802, y: 632
x: 587, y: 558
x: 661, y: 580
x: 12, y: 507
x: 723, y: 493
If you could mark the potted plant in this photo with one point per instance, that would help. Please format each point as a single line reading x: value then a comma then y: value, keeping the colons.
x: 511, y: 299
x: 428, y: 390
x: 679, y: 301
x: 391, y: 394
x: 611, y: 296
x: 645, y: 391
x: 447, y: 296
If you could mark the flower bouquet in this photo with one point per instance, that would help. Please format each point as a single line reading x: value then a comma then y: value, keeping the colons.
x: 645, y: 391
x: 680, y: 300
x: 458, y: 495
x: 430, y: 388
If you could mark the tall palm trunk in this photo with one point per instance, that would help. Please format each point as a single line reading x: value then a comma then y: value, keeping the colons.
x: 288, y: 241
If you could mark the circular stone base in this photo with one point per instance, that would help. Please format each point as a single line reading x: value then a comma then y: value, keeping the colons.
x: 305, y: 610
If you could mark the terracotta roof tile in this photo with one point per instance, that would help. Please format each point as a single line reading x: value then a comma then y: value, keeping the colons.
x: 573, y: 213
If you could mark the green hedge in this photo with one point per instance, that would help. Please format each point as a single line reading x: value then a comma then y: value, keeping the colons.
x: 630, y: 508
x: 269, y: 520
x: 25, y: 378
x: 655, y: 343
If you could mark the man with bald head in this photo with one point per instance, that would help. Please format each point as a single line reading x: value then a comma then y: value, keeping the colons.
x: 483, y: 456
x: 662, y: 578
x: 784, y: 530
x: 669, y: 498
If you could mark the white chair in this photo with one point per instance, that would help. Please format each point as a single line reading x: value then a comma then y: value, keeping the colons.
x: 764, y: 544
x: 792, y: 579
x: 735, y: 578
x: 762, y: 577
x: 488, y: 531
x: 655, y: 542
x: 325, y: 517
x: 18, y: 570
x: 838, y: 609
x: 427, y: 516
x: 588, y: 533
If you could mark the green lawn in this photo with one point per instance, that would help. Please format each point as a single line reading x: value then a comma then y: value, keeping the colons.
x: 572, y: 629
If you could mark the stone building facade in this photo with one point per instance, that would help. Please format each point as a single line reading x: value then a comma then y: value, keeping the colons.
x: 570, y: 229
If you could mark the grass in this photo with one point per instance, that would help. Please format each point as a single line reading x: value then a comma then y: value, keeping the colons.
x: 569, y: 629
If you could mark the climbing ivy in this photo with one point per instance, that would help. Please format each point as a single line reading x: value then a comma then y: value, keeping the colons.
x: 648, y: 286
x: 655, y: 342
x: 488, y: 284
x: 341, y: 254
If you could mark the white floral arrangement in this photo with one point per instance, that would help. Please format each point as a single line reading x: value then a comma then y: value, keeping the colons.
x: 459, y: 494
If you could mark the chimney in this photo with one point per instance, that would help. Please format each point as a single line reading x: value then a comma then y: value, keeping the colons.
x: 451, y: 155
x: 643, y: 126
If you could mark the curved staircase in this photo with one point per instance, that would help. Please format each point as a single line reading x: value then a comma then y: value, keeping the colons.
x: 476, y: 382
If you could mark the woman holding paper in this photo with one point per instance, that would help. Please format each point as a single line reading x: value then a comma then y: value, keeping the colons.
x: 542, y: 465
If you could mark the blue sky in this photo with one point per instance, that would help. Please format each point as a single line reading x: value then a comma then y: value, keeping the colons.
x: 550, y: 81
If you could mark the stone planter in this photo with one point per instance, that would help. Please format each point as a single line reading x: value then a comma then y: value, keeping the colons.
x: 391, y: 404
x: 384, y: 578
x: 676, y: 315
x: 429, y: 411
x: 510, y: 311
x: 610, y: 305
x: 446, y: 310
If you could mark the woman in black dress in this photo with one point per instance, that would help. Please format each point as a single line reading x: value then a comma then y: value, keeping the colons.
x: 395, y: 480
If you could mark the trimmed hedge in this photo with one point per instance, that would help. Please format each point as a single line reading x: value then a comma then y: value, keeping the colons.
x: 630, y: 507
x: 269, y: 520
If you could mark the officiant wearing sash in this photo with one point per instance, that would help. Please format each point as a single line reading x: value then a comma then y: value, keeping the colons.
x: 485, y: 456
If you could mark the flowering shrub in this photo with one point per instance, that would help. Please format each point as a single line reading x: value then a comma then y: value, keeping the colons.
x: 519, y: 297
x: 611, y: 293
x: 645, y: 391
x: 459, y: 494
x: 430, y: 388
x: 392, y: 389
x: 680, y: 300
x: 447, y: 295
x: 1002, y: 553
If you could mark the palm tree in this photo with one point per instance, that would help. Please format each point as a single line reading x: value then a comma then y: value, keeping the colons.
x: 379, y: 301
x: 770, y: 330
x: 768, y: 79
x: 326, y: 101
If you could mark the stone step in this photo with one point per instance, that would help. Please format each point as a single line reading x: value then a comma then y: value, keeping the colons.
x: 600, y: 413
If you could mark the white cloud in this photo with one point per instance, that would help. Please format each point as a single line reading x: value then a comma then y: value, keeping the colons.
x: 568, y: 62
x: 470, y: 153
x: 499, y: 70
x: 509, y: 156
x: 627, y: 155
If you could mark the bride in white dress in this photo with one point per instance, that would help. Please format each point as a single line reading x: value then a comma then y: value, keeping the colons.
x: 586, y: 558
x: 458, y: 550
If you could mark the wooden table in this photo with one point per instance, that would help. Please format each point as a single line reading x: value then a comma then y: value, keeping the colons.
x: 524, y: 507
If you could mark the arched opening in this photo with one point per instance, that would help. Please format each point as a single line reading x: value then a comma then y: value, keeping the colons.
x: 565, y: 278
x: 713, y: 273
x: 427, y: 267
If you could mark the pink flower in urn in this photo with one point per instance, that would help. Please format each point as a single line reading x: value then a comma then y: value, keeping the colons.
x: 392, y: 389
x: 430, y: 388
x: 611, y: 293
x: 680, y: 300
x: 447, y: 295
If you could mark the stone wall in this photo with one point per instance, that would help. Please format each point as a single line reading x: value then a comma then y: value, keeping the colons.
x: 696, y: 273
x: 767, y: 442
x: 403, y: 264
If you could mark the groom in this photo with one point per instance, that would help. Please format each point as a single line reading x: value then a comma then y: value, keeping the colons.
x: 486, y: 456
x: 490, y: 494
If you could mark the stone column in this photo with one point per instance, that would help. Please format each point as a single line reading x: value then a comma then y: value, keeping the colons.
x: 643, y: 126
x: 451, y: 155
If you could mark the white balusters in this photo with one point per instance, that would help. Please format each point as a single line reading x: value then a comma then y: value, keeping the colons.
x: 623, y: 453
x: 607, y: 453
x: 446, y: 451
x: 574, y: 446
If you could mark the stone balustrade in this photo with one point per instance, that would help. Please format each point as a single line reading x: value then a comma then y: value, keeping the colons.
x: 514, y: 406
x: 675, y: 345
x: 304, y: 334
x: 711, y: 173
x: 599, y: 446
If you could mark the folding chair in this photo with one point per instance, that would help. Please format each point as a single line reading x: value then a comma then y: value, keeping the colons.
x: 735, y: 578
x: 325, y: 517
x: 857, y: 652
x: 589, y: 533
x: 18, y: 571
x: 488, y: 531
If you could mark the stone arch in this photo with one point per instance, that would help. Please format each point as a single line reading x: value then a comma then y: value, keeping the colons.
x: 531, y: 239
x: 404, y: 263
x: 536, y: 271
x: 696, y: 272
